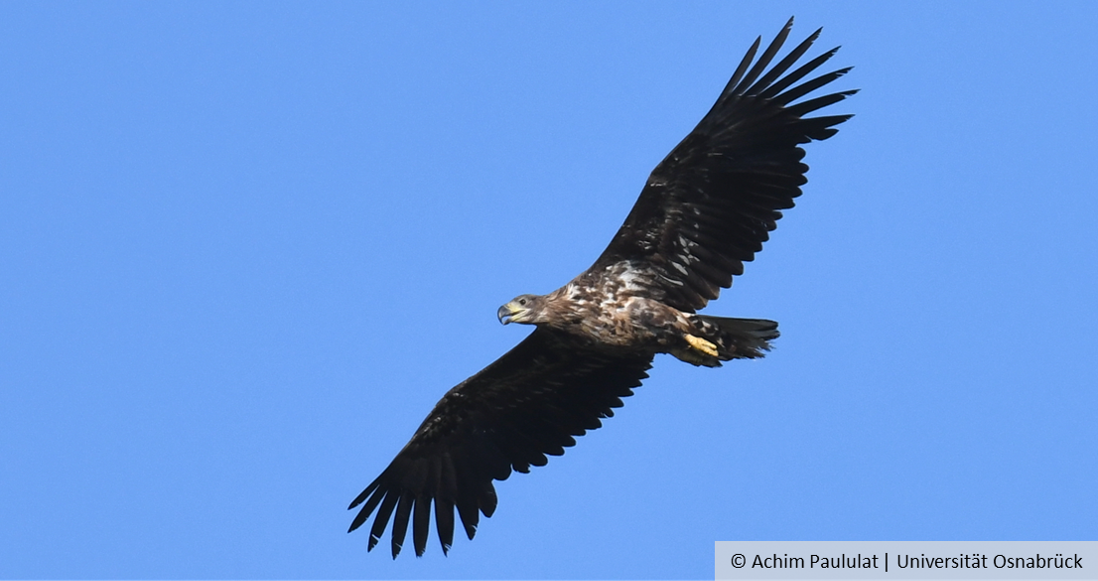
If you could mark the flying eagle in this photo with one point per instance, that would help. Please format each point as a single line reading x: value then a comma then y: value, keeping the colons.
x: 705, y: 210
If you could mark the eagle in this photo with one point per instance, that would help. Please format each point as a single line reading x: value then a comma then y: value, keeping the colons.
x: 704, y: 211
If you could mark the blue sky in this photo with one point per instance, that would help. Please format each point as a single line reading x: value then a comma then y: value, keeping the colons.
x: 244, y: 248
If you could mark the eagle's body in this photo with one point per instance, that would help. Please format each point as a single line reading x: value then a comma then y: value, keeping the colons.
x: 612, y: 309
x: 704, y: 211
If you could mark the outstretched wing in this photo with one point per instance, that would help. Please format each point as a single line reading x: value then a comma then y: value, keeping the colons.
x: 711, y: 203
x: 531, y: 402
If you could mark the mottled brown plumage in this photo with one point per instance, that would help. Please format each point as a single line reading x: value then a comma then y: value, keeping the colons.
x: 704, y: 211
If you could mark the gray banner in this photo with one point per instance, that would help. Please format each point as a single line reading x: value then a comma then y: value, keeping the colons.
x: 906, y: 560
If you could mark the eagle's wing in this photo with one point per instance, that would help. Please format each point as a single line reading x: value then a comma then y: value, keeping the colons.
x: 711, y: 203
x: 528, y: 403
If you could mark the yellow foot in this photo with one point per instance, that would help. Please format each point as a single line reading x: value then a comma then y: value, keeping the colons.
x: 702, y: 345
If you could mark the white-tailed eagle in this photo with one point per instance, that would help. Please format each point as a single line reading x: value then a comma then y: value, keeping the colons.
x: 704, y: 211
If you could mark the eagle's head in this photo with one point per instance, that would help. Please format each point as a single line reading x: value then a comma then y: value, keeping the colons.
x: 527, y: 309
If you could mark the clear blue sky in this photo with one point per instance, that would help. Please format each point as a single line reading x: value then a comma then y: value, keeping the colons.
x: 245, y: 248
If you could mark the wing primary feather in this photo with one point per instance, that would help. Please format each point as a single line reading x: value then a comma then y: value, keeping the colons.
x: 809, y: 86
x: 784, y: 64
x: 382, y: 519
x: 421, y: 525
x: 421, y: 517
x: 764, y: 60
x: 798, y: 74
x: 444, y: 503
x: 830, y: 120
x: 400, y: 522
x: 444, y: 521
x: 805, y: 107
x: 730, y: 88
x: 364, y: 514
x: 365, y: 493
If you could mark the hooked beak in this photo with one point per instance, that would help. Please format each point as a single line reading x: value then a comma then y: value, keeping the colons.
x: 505, y: 313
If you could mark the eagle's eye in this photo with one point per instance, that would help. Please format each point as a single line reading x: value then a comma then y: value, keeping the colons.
x: 522, y: 302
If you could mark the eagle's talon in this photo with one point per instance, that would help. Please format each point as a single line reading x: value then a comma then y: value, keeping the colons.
x: 702, y: 345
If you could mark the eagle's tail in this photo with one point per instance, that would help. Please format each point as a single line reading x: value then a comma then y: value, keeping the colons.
x: 742, y: 338
x: 732, y: 339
